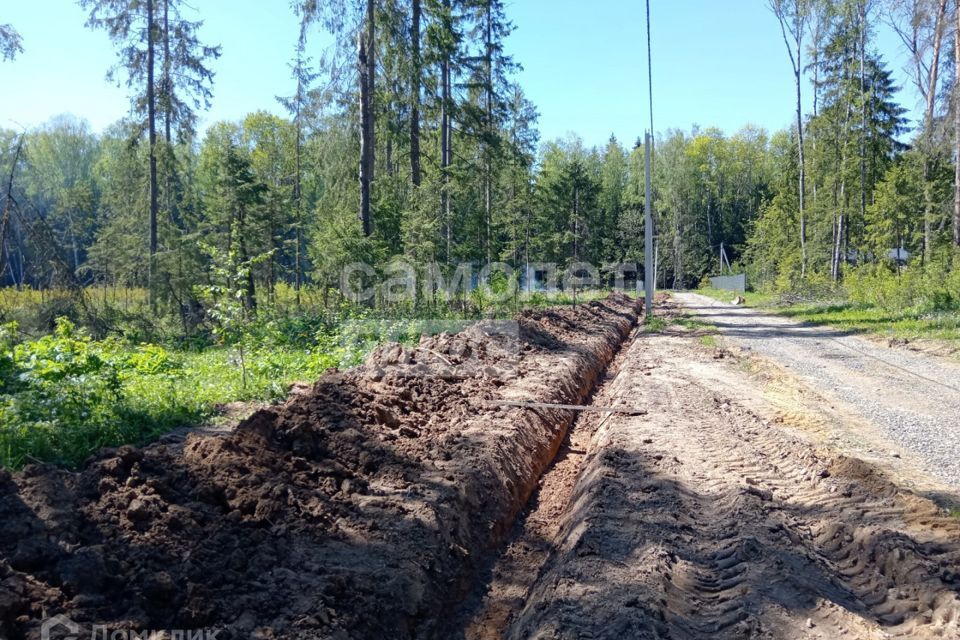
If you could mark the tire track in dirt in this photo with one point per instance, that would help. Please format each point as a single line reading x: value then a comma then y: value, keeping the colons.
x: 706, y: 520
x: 911, y: 400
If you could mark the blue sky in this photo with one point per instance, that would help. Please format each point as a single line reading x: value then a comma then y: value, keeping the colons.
x: 716, y: 63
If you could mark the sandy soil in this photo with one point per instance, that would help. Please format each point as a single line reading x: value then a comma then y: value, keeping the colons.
x: 904, y: 404
x: 510, y: 572
x: 712, y: 518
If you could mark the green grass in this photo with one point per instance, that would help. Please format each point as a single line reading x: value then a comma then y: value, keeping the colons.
x: 708, y: 340
x: 753, y: 298
x: 693, y: 324
x: 655, y: 325
x: 908, y: 324
x: 65, y: 395
x: 707, y: 332
x: 68, y: 419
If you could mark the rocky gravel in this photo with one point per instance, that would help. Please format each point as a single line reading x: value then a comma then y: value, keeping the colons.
x: 912, y: 398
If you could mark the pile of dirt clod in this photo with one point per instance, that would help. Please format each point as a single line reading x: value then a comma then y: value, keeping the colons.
x: 358, y: 509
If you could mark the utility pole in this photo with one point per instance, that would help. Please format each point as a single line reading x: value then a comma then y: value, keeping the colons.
x: 649, y: 264
x: 648, y: 282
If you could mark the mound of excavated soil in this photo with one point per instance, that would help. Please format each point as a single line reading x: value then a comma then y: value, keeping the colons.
x: 356, y: 510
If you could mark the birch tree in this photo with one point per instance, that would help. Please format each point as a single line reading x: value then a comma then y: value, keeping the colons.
x: 793, y: 16
x: 921, y: 25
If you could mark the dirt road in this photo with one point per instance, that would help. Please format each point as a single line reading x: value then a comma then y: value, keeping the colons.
x: 381, y: 503
x: 709, y: 519
x: 912, y: 399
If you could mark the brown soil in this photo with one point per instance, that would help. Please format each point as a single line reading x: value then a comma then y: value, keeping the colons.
x: 509, y: 575
x: 375, y: 504
x: 360, y: 509
x: 706, y: 519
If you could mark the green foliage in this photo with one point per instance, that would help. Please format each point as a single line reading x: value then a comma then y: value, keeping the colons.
x: 929, y: 288
x: 11, y: 44
x: 65, y: 395
x: 693, y: 324
x: 708, y: 340
x: 60, y: 379
x: 753, y: 298
x: 920, y: 303
x: 895, y: 217
x: 772, y: 254
x: 655, y: 325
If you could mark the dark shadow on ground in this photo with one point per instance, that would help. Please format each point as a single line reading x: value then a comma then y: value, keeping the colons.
x: 645, y: 556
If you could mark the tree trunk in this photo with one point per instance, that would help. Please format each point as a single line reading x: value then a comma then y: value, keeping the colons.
x: 415, y: 81
x: 297, y: 194
x: 388, y: 152
x: 678, y: 255
x: 366, y: 135
x: 862, y: 7
x: 444, y: 159
x: 152, y: 128
x: 839, y: 201
x: 5, y: 219
x: 815, y: 66
x: 372, y: 84
x: 837, y: 250
x: 446, y: 140
x: 803, y: 173
x: 368, y: 67
x: 956, y: 135
x: 167, y: 79
x: 798, y: 29
x: 488, y: 160
x: 927, y: 136
x: 843, y: 200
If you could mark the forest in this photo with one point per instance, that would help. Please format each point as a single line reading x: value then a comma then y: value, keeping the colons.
x: 146, y: 261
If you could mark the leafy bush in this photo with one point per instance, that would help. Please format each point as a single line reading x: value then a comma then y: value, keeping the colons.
x: 926, y: 288
x: 60, y: 379
x: 65, y: 395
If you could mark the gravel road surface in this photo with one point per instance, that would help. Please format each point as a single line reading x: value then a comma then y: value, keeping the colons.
x: 912, y: 398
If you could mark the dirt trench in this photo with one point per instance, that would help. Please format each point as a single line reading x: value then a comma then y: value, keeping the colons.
x: 379, y: 504
x: 361, y: 508
x: 711, y: 518
x: 510, y: 572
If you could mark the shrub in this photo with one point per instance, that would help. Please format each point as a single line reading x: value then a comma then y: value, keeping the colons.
x: 65, y: 395
x: 933, y: 287
x: 59, y: 397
